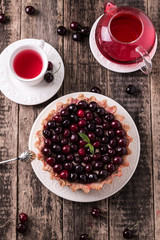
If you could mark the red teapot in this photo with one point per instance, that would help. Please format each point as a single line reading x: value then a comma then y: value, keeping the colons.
x: 125, y: 35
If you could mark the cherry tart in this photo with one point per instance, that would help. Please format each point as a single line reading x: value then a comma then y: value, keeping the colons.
x: 83, y: 143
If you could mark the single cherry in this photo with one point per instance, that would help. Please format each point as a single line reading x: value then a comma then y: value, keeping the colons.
x: 82, y: 152
x: 74, y: 128
x: 30, y: 10
x: 48, y: 77
x: 95, y: 212
x: 3, y: 18
x: 84, y: 237
x: 21, y: 228
x: 127, y: 233
x: 58, y: 118
x: 50, y: 161
x: 23, y: 217
x: 50, y: 66
x: 85, y: 32
x: 77, y: 37
x: 96, y: 90
x: 64, y: 175
x: 74, y: 25
x: 57, y: 168
x: 61, y: 30
x: 131, y: 89
x: 80, y: 113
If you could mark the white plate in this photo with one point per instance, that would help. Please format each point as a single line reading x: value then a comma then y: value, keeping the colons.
x: 30, y: 95
x: 108, y: 189
x: 121, y: 68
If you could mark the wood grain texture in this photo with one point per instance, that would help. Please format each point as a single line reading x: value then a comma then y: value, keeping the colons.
x: 136, y: 198
x: 8, y: 133
x: 43, y: 207
x: 153, y: 11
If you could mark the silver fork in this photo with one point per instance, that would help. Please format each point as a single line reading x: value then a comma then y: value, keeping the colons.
x: 26, y: 156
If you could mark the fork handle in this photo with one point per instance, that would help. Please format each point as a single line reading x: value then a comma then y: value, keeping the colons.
x: 10, y: 160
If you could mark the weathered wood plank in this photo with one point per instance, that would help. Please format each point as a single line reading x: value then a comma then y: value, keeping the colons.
x: 153, y: 11
x: 43, y: 207
x: 8, y: 133
x: 81, y: 73
x: 136, y: 198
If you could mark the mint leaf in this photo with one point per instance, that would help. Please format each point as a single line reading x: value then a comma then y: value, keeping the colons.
x: 87, y: 145
x: 91, y: 148
x: 84, y: 137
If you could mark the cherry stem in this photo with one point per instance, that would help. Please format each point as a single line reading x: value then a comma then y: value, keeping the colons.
x: 58, y: 68
x: 135, y: 225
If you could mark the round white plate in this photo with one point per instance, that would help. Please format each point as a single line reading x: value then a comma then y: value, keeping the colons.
x: 108, y: 189
x: 121, y: 68
x: 30, y: 95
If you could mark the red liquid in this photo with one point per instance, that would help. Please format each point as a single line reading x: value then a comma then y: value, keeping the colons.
x: 28, y: 64
x: 126, y: 27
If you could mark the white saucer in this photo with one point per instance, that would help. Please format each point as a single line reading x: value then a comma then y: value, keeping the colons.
x: 108, y: 189
x: 30, y: 95
x: 121, y: 68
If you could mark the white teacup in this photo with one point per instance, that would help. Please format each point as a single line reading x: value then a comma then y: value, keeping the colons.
x: 37, y: 48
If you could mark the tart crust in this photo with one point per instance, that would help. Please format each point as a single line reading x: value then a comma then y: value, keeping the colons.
x: 39, y: 144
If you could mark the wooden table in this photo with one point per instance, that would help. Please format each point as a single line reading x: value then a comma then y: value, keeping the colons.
x: 51, y: 217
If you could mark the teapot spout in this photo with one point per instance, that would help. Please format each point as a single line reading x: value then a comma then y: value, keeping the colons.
x: 108, y: 5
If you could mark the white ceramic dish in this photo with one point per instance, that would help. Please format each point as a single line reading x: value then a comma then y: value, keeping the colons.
x: 121, y: 68
x: 93, y: 195
x: 19, y: 92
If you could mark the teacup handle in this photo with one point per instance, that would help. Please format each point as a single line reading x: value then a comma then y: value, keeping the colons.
x: 108, y: 5
x: 41, y: 43
x: 146, y: 59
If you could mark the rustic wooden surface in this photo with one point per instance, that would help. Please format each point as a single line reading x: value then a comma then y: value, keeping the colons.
x: 51, y: 217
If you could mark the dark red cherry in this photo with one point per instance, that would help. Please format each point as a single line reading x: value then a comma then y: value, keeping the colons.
x: 111, y: 152
x: 103, y: 174
x: 77, y: 37
x: 68, y: 166
x: 82, y: 104
x: 96, y: 144
x: 84, y: 237
x: 113, y: 142
x: 111, y: 133
x: 92, y: 106
x: 87, y: 159
x: 64, y: 175
x: 120, y: 132
x: 51, y: 124
x: 72, y: 108
x: 98, y: 165
x: 74, y: 128
x: 66, y: 149
x: 66, y: 133
x: 61, y: 30
x: 74, y: 137
x: 70, y: 157
x: 121, y: 151
x: 106, y: 125
x: 61, y: 158
x: 85, y: 32
x: 23, y: 217
x: 83, y: 178
x: 99, y: 132
x: 80, y: 113
x: 100, y: 111
x: 46, y: 133
x: 98, y: 120
x: 47, y: 142
x: 96, y: 212
x: 111, y: 168
x: 82, y: 143
x: 127, y: 233
x: 109, y: 117
x: 96, y: 90
x: 92, y: 177
x: 64, y: 112
x: 91, y: 126
x: 30, y: 10
x: 48, y: 77
x: 47, y: 151
x: 74, y: 148
x: 89, y: 116
x: 73, y: 177
x: 58, y: 130
x: 57, y: 168
x: 117, y: 160
x: 79, y: 168
x: 64, y: 141
x: 58, y: 118
x: 55, y: 138
x: 74, y: 25
x: 3, y: 18
x: 88, y: 168
x: 50, y: 161
x: 97, y: 157
x: 82, y: 123
x: 77, y: 159
x: 106, y: 159
x: 92, y: 136
x: 82, y: 152
x: 56, y: 148
x: 122, y: 142
x: 50, y: 66
x: 66, y: 123
x: 115, y: 124
x: 105, y: 139
x: 103, y: 149
x: 21, y: 228
x: 131, y: 89
x: 82, y: 130
x: 74, y: 118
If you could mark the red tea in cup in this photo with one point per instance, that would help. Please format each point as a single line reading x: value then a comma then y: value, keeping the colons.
x: 28, y: 64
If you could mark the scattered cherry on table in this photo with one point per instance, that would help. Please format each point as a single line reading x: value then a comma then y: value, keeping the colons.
x: 61, y: 30
x: 23, y: 217
x: 30, y: 10
x: 131, y: 89
x: 127, y: 233
x: 48, y: 77
x: 3, y: 18
x: 96, y: 90
x: 96, y: 212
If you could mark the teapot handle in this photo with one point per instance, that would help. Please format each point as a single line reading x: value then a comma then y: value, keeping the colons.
x: 108, y: 5
x: 147, y: 67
